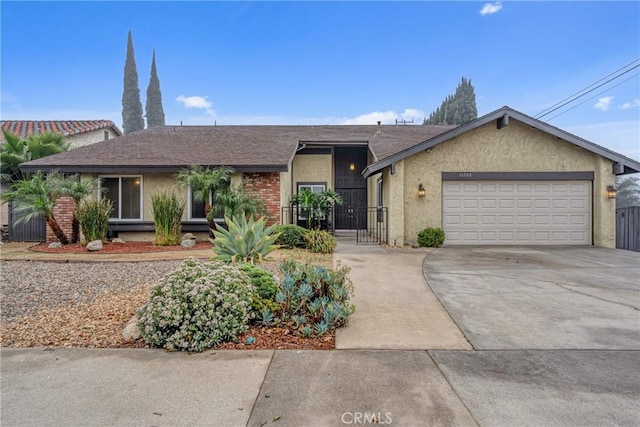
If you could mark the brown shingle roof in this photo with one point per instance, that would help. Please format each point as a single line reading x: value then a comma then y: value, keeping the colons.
x: 25, y: 128
x: 246, y: 148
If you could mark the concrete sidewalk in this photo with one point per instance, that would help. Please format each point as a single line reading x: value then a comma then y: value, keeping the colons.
x: 395, y: 308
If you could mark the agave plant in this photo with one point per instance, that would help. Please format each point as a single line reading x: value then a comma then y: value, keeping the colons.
x: 246, y: 240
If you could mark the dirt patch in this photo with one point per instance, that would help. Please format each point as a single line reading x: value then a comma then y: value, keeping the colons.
x: 118, y: 248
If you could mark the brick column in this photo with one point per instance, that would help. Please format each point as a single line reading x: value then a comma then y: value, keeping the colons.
x: 63, y: 213
x: 266, y: 185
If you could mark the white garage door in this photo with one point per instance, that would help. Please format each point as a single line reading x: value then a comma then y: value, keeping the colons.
x: 517, y: 212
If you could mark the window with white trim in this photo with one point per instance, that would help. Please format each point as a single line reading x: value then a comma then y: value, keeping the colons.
x: 196, y: 208
x: 314, y: 187
x: 125, y: 192
x: 379, y: 191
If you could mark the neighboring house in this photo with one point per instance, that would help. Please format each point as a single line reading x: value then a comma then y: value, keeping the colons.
x: 78, y: 133
x: 504, y: 178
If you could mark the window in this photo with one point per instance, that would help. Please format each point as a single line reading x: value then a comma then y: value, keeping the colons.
x: 314, y: 187
x: 196, y: 209
x: 106, y: 135
x: 125, y: 192
x: 379, y: 192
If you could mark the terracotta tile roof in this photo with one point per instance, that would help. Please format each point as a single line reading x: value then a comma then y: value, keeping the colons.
x: 25, y: 128
x: 255, y: 148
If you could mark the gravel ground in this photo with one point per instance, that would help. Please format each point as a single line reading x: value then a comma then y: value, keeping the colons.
x: 73, y: 304
x: 28, y: 287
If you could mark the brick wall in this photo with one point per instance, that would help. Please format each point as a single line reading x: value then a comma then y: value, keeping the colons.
x: 266, y: 186
x: 63, y: 213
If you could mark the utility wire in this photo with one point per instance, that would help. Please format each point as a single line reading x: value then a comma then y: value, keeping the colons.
x: 594, y: 96
x: 574, y: 97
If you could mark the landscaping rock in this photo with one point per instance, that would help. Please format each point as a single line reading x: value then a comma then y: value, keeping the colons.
x: 118, y: 240
x: 55, y: 245
x: 94, y: 245
x: 188, y: 243
x: 189, y: 236
x: 131, y: 331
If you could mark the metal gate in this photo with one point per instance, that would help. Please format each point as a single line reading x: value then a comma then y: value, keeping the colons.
x: 628, y: 228
x: 34, y: 230
x: 375, y: 228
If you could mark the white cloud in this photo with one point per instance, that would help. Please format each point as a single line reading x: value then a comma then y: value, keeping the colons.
x: 603, y: 104
x: 194, y: 101
x: 386, y: 117
x: 200, y: 102
x: 628, y: 105
x: 491, y: 8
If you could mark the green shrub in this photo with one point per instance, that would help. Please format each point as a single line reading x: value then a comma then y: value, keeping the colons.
x: 315, y: 298
x: 266, y: 289
x: 431, y: 237
x: 93, y: 218
x: 244, y: 241
x: 196, y: 307
x: 167, y: 211
x: 291, y: 236
x: 320, y: 241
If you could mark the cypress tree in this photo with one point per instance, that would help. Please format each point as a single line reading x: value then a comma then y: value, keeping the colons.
x: 456, y: 109
x: 155, y: 113
x: 132, y: 119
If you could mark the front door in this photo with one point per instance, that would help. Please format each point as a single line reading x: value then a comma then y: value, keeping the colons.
x: 352, y: 213
x: 349, y: 164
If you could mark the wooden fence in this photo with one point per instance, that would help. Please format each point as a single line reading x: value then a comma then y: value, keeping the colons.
x: 628, y: 228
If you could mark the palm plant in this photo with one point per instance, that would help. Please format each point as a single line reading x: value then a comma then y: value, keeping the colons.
x: 36, y: 196
x: 14, y: 151
x: 234, y: 203
x: 316, y: 205
x: 205, y: 183
x: 78, y: 189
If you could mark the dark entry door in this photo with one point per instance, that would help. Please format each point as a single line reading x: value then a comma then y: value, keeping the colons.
x: 349, y: 164
x: 351, y: 214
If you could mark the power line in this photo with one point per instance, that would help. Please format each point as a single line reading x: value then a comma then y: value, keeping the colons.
x: 594, y: 96
x: 588, y: 89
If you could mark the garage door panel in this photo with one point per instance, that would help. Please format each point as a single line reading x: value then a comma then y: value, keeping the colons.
x: 517, y: 212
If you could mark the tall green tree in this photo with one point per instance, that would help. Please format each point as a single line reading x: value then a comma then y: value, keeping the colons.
x: 628, y: 192
x: 456, y: 109
x: 132, y: 119
x: 155, y: 112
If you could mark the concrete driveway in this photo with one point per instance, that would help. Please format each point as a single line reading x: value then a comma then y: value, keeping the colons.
x: 540, y: 298
x: 556, y: 333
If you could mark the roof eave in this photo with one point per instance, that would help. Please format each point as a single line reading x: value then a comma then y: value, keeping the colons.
x: 140, y: 169
x: 502, y: 115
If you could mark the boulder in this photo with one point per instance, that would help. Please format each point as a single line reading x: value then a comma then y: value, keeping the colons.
x: 188, y: 236
x: 131, y: 331
x: 94, y: 245
x: 188, y: 243
x: 54, y: 245
x: 118, y: 240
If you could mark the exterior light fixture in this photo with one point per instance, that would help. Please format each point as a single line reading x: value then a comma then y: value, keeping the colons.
x: 421, y: 191
x: 352, y: 167
x: 611, y: 192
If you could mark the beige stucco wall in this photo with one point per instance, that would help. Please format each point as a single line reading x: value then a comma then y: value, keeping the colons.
x: 312, y: 168
x: 87, y: 138
x: 515, y: 148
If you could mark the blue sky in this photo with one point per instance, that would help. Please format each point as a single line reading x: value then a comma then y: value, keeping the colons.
x: 325, y: 62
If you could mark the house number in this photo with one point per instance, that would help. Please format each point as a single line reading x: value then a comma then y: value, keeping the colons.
x: 465, y: 175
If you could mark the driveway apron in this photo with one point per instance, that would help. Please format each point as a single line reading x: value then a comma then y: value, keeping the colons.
x: 395, y: 309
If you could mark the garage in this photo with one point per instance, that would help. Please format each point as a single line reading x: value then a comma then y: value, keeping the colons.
x: 517, y: 212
